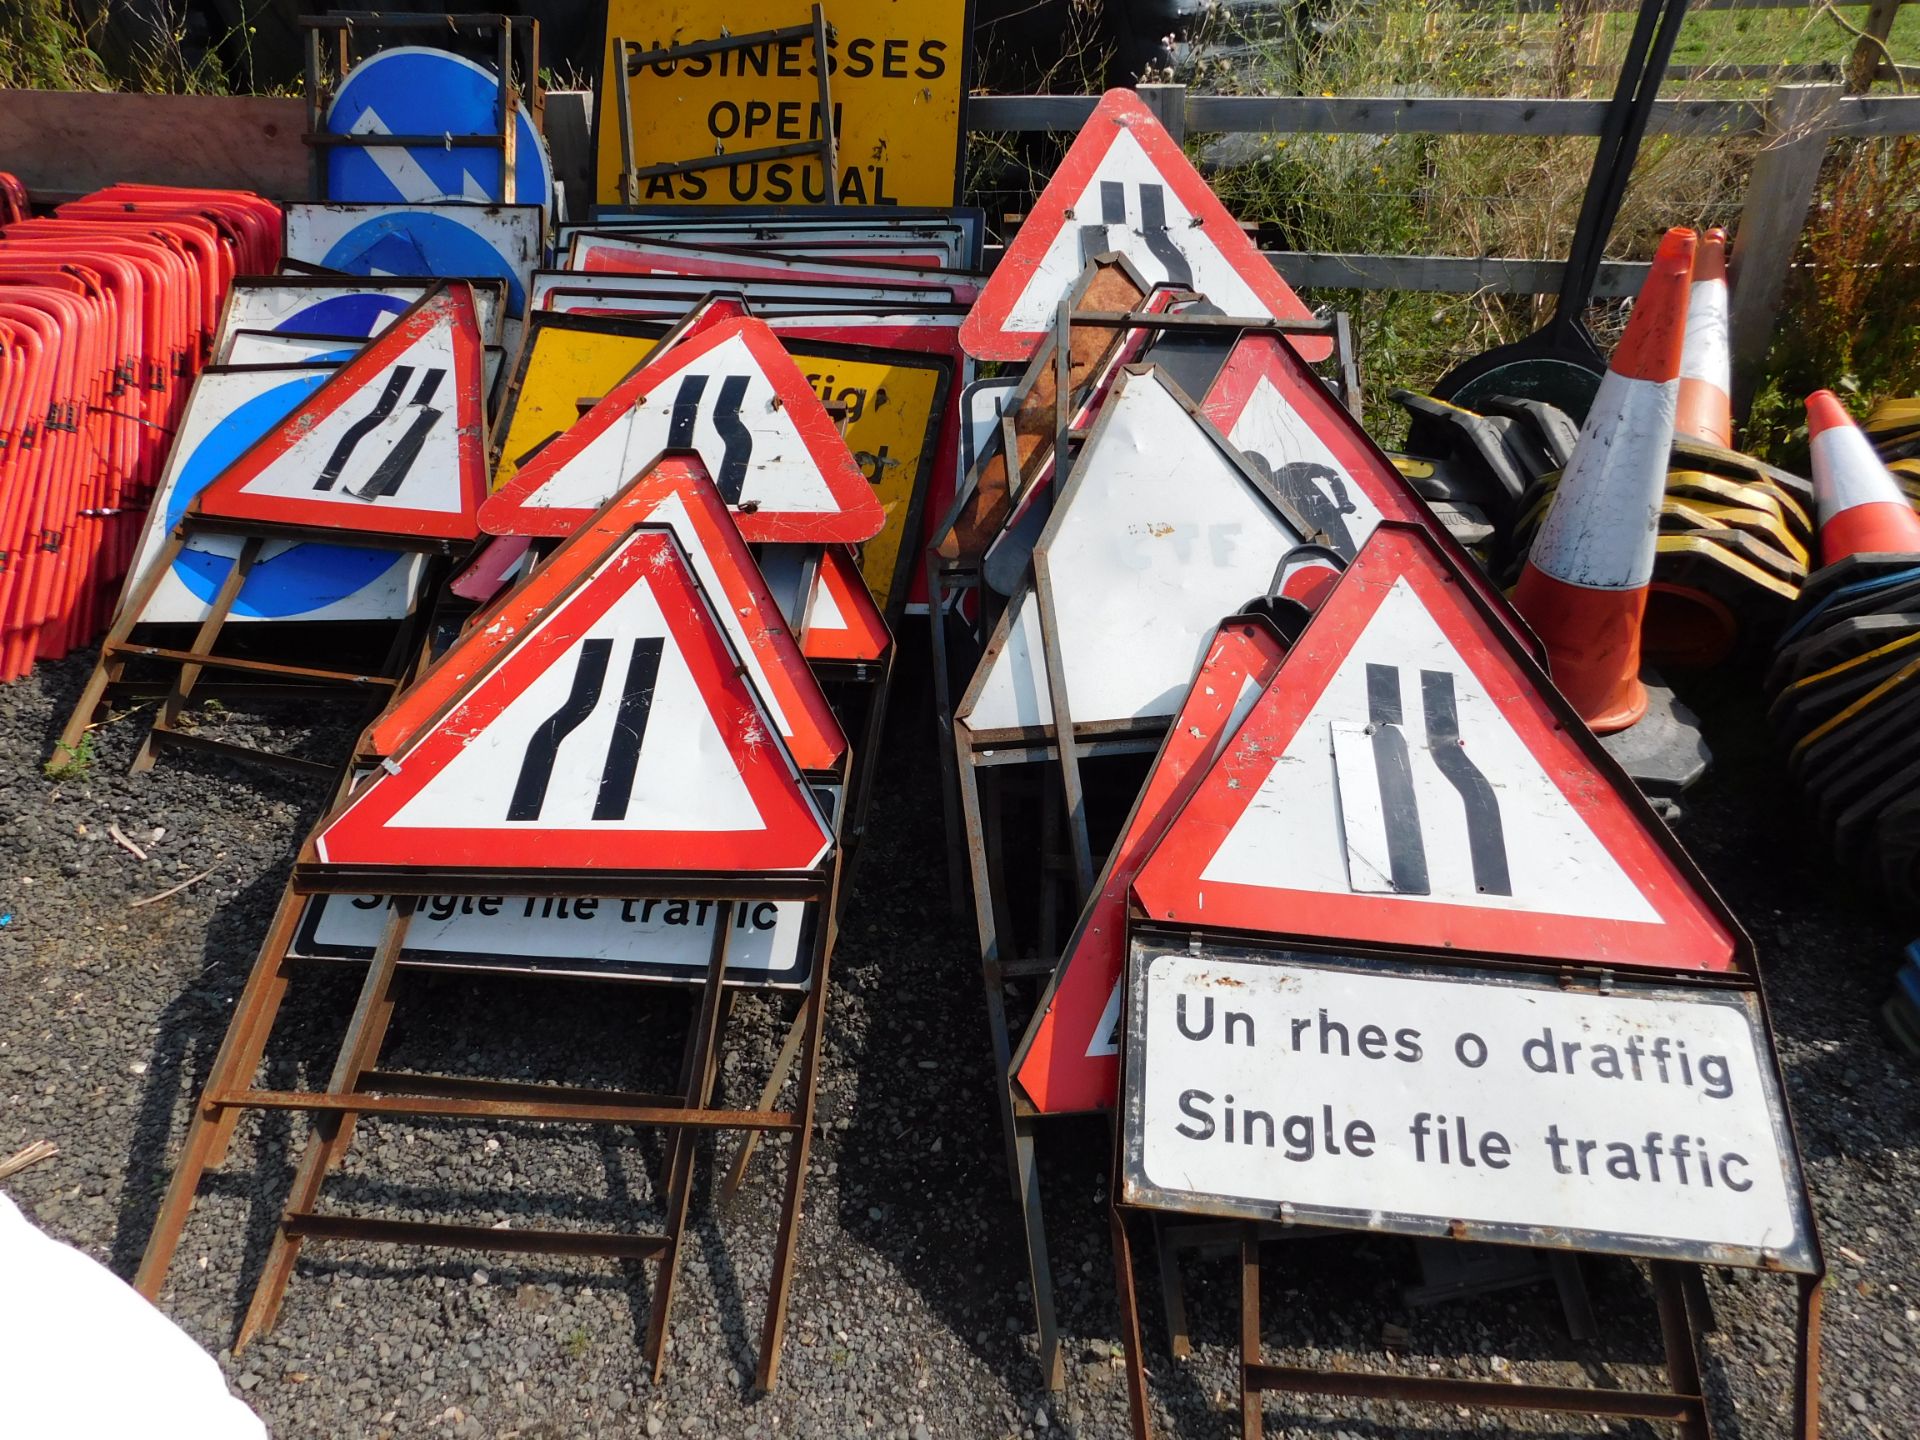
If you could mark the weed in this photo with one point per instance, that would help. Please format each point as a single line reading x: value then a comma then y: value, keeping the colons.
x: 577, y: 1343
x: 73, y: 762
x: 1854, y: 295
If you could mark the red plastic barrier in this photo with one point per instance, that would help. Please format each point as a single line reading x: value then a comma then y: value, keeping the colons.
x: 108, y: 310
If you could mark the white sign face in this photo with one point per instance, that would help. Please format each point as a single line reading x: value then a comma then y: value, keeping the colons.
x: 1351, y: 810
x: 1640, y: 1121
x: 724, y: 404
x: 1157, y: 536
x: 394, y: 443
x: 299, y: 580
x: 1141, y: 216
x: 459, y: 241
x: 1283, y: 445
x: 339, y: 307
x: 684, y: 777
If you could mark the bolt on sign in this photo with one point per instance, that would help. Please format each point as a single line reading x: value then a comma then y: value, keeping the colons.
x: 896, y: 81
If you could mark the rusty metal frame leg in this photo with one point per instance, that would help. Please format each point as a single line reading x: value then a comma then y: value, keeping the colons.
x: 945, y: 748
x: 108, y: 668
x: 1064, y: 742
x: 203, y: 642
x: 333, y: 1131
x: 1173, y: 1293
x: 866, y: 765
x: 773, y: 1328
x: 623, y: 97
x: 829, y: 142
x: 770, y: 1092
x: 682, y: 1145
x: 1026, y: 1181
x: 1682, y: 1354
x: 1139, y: 1413
x: 1806, y: 1361
x: 211, y: 1128
x: 1250, y: 1424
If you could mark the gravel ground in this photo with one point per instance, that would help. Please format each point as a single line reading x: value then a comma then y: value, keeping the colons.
x: 909, y: 1314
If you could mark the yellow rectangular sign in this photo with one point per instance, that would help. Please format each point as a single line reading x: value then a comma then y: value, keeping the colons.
x: 892, y: 402
x: 897, y: 81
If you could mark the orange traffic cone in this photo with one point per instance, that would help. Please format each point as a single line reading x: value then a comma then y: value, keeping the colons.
x: 1706, y: 366
x: 1584, y: 587
x: 1860, y: 506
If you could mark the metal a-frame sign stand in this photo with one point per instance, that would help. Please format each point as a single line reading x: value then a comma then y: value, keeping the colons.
x: 1210, y: 955
x: 439, y: 685
x: 989, y: 766
x: 629, y: 62
x: 1067, y: 376
x: 277, y: 678
x: 517, y: 38
x: 357, y: 1087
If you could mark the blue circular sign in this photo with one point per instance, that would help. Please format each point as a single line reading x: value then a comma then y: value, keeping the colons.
x: 416, y: 90
x: 298, y: 580
x: 421, y: 242
x: 343, y: 315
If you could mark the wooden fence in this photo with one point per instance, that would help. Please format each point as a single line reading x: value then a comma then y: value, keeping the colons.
x: 1794, y: 123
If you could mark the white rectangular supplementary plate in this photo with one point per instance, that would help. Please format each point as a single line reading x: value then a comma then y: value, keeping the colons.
x: 661, y: 940
x: 1392, y: 1096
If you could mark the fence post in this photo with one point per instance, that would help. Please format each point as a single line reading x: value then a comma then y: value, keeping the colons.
x: 1779, y: 194
x: 1169, y: 106
x: 1869, y: 56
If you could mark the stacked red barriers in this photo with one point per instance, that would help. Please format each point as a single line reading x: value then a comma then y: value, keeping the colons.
x: 108, y: 310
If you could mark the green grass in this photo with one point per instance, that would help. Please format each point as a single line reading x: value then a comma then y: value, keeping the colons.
x: 1794, y: 37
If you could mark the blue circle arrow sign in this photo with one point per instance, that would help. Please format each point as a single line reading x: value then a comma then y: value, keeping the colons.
x: 416, y: 90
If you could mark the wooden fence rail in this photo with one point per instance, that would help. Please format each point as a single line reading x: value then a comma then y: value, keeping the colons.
x: 1794, y: 124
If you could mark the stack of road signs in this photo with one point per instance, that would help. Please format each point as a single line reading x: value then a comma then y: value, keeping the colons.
x: 868, y: 304
x: 722, y: 388
x: 595, y: 780
x: 1842, y: 685
x: 107, y: 312
x: 1894, y: 429
x: 1507, y: 1006
x: 306, y: 487
x: 1168, y: 459
x: 426, y: 162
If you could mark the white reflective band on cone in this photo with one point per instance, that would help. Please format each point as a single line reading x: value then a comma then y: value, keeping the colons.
x: 1847, y: 472
x: 1705, y: 356
x: 1599, y: 532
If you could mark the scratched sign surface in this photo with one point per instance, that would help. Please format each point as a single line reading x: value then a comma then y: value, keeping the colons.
x: 1639, y: 1121
x: 898, y: 77
x: 417, y: 90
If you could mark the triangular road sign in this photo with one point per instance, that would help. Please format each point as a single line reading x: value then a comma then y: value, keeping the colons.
x: 395, y: 443
x: 1125, y: 186
x: 1161, y: 530
x: 674, y: 492
x: 735, y: 396
x: 1289, y: 425
x: 842, y: 622
x: 1411, y: 779
x: 1070, y: 1058
x: 618, y: 736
